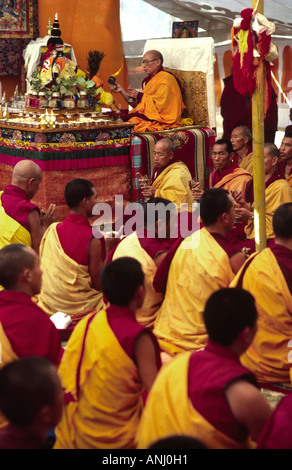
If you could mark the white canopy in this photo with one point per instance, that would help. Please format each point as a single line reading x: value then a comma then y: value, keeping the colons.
x: 216, y: 17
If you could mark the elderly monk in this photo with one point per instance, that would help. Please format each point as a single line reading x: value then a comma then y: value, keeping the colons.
x: 241, y: 140
x: 285, y: 164
x: 268, y: 276
x: 169, y: 180
x: 226, y: 174
x: 159, y: 104
x: 277, y: 192
x: 72, y: 256
x: 20, y: 219
x: 236, y: 110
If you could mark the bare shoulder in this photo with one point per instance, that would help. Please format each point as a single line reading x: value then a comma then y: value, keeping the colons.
x: 248, y: 406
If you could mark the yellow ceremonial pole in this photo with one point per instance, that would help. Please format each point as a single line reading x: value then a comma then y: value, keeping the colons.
x: 258, y: 155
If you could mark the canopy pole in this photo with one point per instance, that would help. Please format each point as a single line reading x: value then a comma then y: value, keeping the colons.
x: 258, y: 156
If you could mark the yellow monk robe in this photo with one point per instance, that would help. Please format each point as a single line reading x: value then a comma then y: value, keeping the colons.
x: 169, y: 411
x: 100, y: 418
x: 130, y: 246
x: 173, y: 183
x: 238, y: 179
x: 277, y: 193
x: 6, y: 355
x: 290, y: 180
x: 267, y: 357
x: 161, y: 102
x: 66, y: 285
x: 247, y: 163
x: 199, y: 267
x: 12, y: 231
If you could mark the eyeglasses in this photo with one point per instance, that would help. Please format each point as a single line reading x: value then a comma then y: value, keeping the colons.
x: 146, y: 62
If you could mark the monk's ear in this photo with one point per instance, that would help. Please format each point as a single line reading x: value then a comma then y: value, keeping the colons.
x: 84, y: 202
x: 160, y: 228
x: 25, y: 276
x: 30, y: 182
x: 171, y: 155
x: 247, y: 335
x: 140, y: 295
x: 223, y: 217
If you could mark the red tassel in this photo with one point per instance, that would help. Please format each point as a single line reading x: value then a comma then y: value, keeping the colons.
x: 246, y: 15
x: 264, y: 44
x: 243, y: 74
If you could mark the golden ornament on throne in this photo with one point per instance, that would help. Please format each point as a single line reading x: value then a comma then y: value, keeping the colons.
x: 55, y: 63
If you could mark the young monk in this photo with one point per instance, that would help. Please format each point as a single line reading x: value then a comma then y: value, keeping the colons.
x: 149, y: 244
x: 109, y: 361
x: 31, y: 398
x: 71, y: 256
x: 25, y: 329
x: 208, y: 394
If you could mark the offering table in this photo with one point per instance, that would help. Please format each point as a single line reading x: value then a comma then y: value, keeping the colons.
x: 98, y: 152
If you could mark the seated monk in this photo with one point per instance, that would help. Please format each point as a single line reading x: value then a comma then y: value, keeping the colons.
x: 285, y: 163
x: 25, y: 329
x: 149, y: 244
x: 159, y: 104
x: 208, y: 394
x: 109, y: 361
x: 268, y: 276
x: 241, y: 140
x: 72, y: 257
x: 202, y: 263
x: 226, y: 174
x: 236, y: 110
x: 276, y: 433
x: 168, y: 180
x: 31, y: 398
x: 20, y: 220
x: 277, y: 192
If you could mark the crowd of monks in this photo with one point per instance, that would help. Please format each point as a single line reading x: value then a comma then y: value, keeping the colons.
x: 168, y: 335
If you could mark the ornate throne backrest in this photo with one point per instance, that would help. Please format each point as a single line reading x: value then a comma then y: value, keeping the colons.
x: 191, y: 60
x: 194, y: 92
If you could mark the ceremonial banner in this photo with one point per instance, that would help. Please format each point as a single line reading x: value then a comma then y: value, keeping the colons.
x: 18, y: 26
x: 16, y: 18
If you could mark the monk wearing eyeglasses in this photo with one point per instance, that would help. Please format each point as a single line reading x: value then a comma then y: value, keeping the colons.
x: 159, y: 104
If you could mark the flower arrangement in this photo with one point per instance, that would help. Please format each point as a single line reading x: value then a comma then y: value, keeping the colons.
x: 89, y: 82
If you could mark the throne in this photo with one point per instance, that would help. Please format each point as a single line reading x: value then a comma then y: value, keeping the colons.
x: 191, y: 60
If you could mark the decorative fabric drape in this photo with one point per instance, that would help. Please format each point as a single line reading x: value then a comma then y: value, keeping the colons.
x: 18, y: 26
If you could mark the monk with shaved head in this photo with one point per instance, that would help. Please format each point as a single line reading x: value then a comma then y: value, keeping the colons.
x: 158, y: 105
x: 20, y: 219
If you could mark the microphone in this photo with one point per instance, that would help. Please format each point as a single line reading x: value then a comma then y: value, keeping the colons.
x: 112, y: 81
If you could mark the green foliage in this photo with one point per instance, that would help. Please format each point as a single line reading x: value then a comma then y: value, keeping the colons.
x: 65, y: 86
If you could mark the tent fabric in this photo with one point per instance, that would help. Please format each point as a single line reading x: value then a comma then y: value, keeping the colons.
x: 216, y: 17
